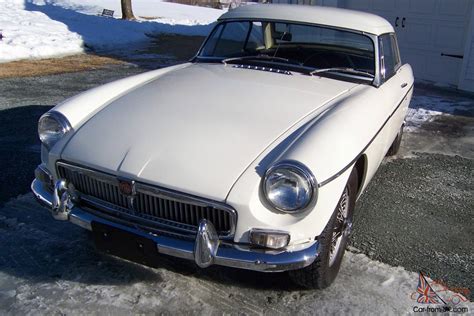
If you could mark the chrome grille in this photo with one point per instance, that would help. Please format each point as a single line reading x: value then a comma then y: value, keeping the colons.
x: 163, y: 207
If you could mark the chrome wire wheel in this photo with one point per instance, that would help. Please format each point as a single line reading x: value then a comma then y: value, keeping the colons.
x: 333, y: 240
x: 341, y: 228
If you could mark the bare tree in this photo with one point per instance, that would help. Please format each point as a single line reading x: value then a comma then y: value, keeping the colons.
x: 127, y: 13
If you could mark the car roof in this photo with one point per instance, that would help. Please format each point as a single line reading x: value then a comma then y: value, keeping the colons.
x: 334, y: 17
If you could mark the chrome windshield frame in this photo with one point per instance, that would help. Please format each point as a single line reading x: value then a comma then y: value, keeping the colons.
x: 376, y: 81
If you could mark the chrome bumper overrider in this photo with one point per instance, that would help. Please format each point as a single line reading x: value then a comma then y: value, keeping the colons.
x: 206, y: 250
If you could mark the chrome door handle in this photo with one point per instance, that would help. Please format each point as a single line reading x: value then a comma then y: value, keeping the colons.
x: 404, y: 84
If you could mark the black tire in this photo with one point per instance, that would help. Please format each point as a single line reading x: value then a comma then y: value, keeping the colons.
x: 393, y: 150
x: 323, y: 271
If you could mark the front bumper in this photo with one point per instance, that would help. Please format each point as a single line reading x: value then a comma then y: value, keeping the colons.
x: 205, y: 250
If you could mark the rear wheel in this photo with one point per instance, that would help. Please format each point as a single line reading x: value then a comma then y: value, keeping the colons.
x: 393, y: 150
x: 332, y: 242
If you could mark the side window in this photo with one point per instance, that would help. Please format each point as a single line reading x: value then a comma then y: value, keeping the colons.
x: 396, y: 51
x: 228, y: 40
x: 390, y: 57
x: 210, y: 46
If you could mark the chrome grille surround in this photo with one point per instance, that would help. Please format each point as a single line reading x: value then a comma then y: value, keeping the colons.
x: 154, y: 207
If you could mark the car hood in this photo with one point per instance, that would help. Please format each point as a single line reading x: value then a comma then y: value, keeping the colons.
x: 197, y: 129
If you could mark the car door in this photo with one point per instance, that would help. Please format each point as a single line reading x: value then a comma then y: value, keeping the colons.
x: 393, y: 97
x: 395, y: 89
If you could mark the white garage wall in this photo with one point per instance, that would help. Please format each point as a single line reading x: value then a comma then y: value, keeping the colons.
x: 466, y: 80
x: 465, y: 77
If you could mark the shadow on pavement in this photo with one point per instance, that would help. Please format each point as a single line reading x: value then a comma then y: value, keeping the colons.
x: 19, y: 148
x: 36, y: 248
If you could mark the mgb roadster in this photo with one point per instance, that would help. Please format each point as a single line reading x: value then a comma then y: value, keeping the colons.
x: 251, y: 155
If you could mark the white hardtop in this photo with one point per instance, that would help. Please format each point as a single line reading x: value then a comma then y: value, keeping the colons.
x: 334, y: 17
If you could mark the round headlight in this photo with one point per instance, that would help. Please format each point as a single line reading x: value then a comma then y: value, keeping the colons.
x: 289, y: 186
x: 52, y: 126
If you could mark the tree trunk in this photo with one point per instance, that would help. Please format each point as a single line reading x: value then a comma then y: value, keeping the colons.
x: 127, y: 13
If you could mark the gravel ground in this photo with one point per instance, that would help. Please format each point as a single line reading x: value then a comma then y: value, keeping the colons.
x: 417, y: 213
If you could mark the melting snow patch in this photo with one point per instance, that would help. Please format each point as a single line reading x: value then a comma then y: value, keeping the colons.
x: 425, y: 109
x: 416, y: 117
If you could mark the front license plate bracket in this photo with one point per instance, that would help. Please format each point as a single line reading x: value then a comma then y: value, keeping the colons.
x: 126, y: 245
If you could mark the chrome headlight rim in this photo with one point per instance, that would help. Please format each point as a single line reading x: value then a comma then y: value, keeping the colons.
x: 62, y: 121
x: 296, y: 167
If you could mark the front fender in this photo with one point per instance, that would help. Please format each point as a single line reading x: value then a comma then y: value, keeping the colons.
x: 328, y: 145
x: 246, y: 198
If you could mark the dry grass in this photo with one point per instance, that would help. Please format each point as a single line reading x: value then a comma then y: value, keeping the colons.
x: 200, y: 3
x: 30, y: 68
x: 150, y: 17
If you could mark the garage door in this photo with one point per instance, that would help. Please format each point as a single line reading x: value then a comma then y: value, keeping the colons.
x: 431, y: 33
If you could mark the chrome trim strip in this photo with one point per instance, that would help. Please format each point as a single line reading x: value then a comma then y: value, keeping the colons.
x: 228, y: 254
x: 353, y: 161
x: 44, y: 175
x: 42, y: 194
x: 182, y: 250
x: 156, y: 191
x: 262, y: 68
x: 80, y: 219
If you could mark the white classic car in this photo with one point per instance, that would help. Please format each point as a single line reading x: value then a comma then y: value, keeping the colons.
x: 251, y: 155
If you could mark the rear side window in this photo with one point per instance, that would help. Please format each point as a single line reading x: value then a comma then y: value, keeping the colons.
x: 390, y: 56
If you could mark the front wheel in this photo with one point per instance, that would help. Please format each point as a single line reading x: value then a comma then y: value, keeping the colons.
x: 332, y: 242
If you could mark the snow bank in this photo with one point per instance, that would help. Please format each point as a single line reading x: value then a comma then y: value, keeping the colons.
x: 45, y: 28
x: 30, y: 34
x: 164, y: 12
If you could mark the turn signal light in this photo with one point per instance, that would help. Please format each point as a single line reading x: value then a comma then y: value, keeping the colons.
x: 269, y: 239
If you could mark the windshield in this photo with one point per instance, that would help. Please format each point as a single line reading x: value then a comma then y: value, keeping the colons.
x: 306, y: 46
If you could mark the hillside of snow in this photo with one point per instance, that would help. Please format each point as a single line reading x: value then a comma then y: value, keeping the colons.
x: 48, y: 28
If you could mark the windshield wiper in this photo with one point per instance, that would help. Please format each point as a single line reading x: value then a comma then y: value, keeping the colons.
x: 257, y: 57
x: 344, y: 70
